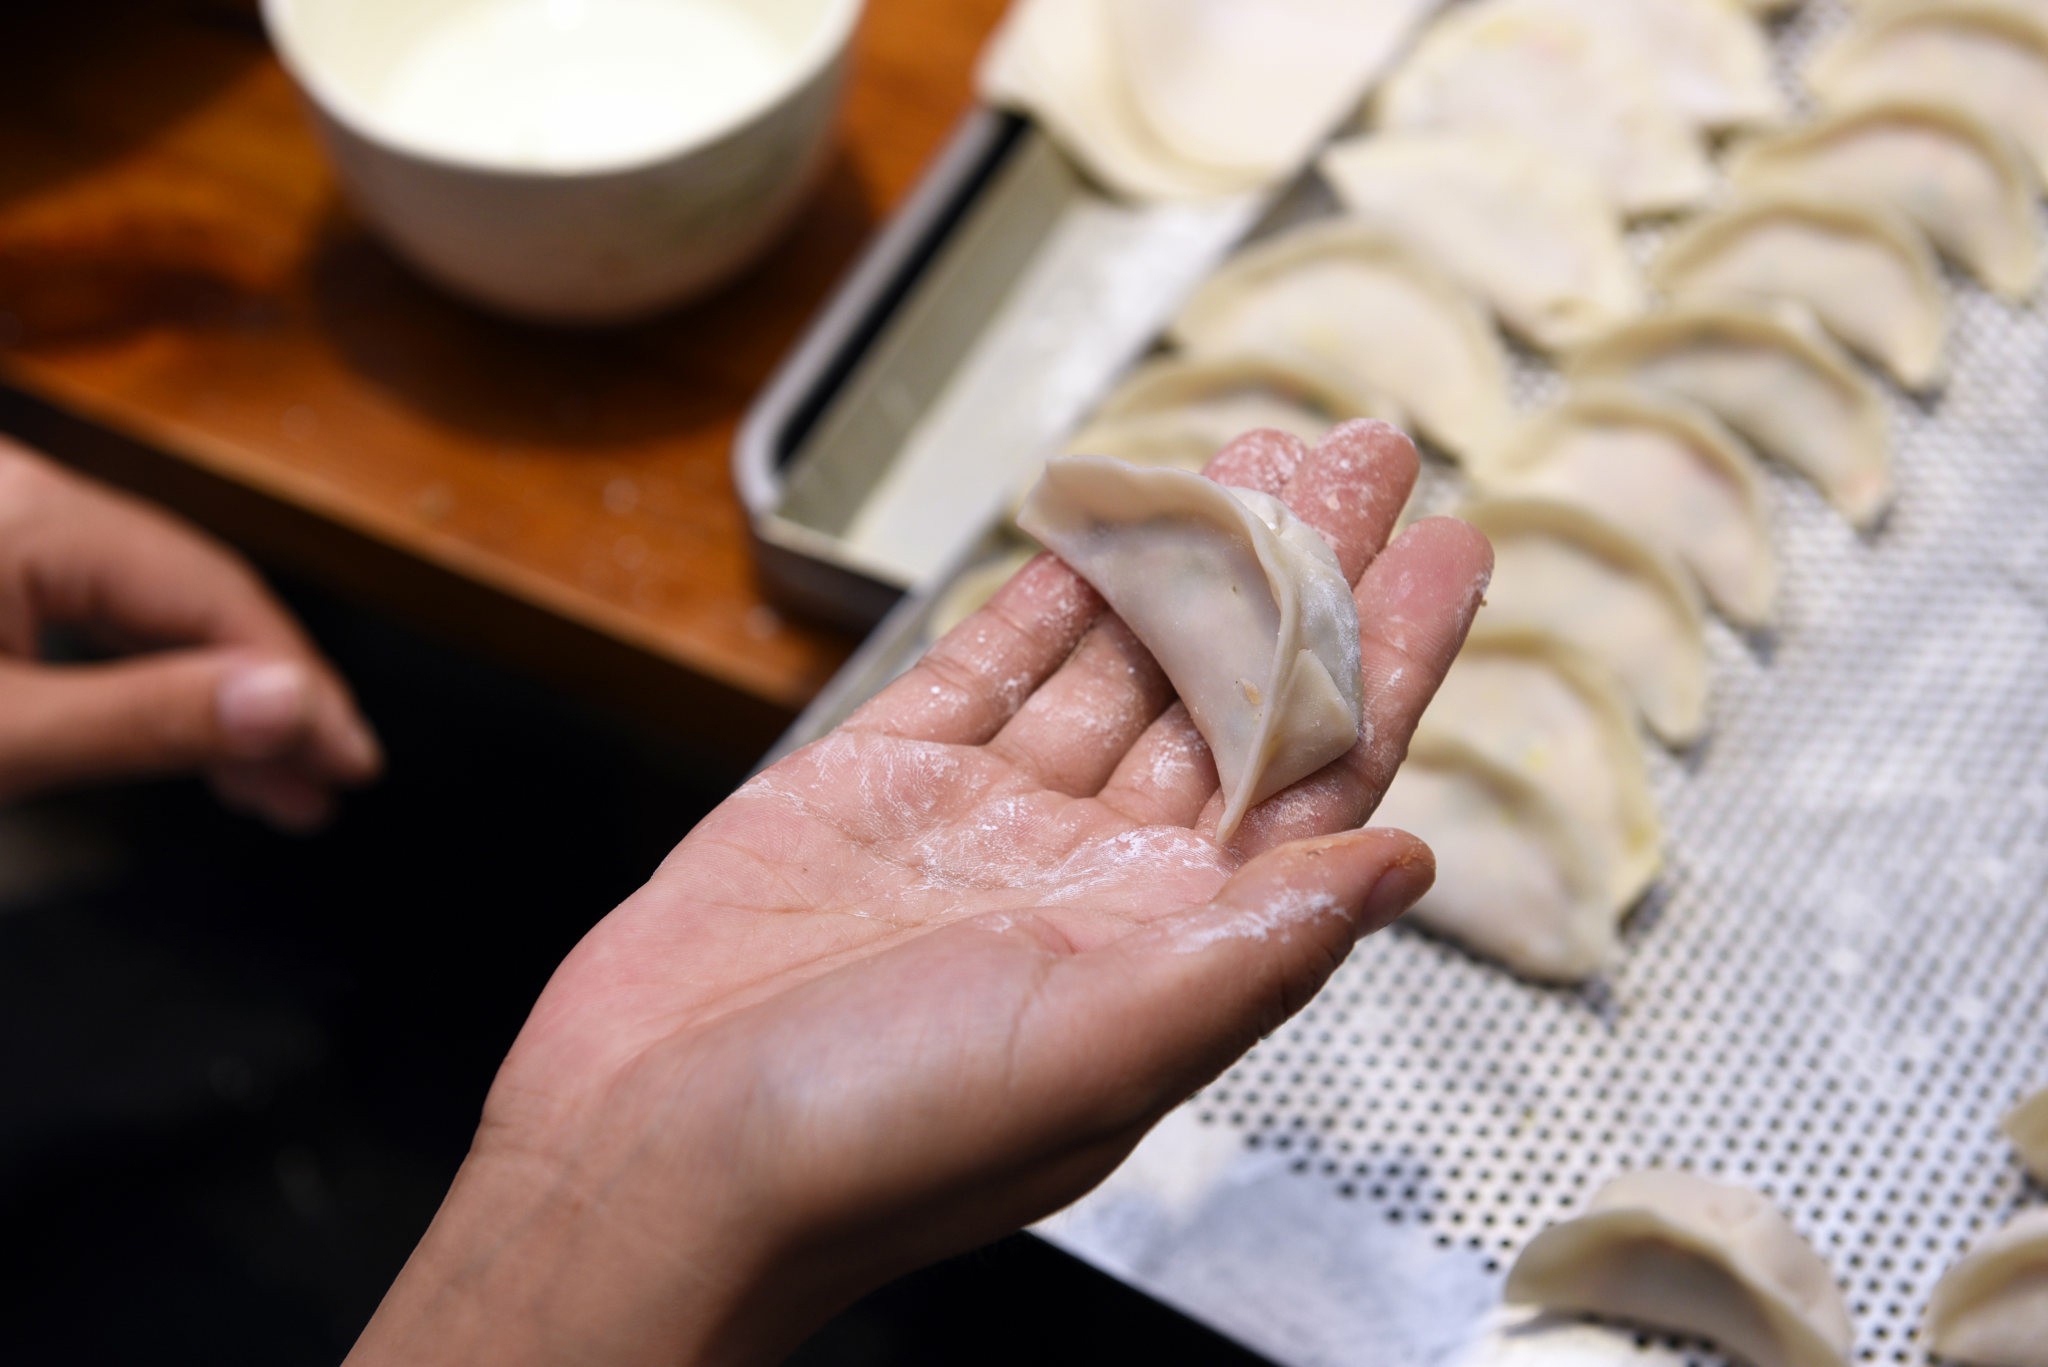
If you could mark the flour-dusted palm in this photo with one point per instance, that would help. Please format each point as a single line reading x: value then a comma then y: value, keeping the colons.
x: 932, y: 976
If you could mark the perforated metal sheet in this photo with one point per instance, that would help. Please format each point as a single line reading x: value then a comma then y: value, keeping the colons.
x: 1836, y: 989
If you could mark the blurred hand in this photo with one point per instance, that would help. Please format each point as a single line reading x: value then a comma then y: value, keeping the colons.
x: 931, y: 977
x: 216, y: 677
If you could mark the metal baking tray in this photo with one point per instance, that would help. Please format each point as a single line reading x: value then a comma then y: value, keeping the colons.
x: 1002, y: 300
x: 1837, y: 987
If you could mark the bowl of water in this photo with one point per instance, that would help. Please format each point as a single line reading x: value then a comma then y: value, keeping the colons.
x: 572, y: 161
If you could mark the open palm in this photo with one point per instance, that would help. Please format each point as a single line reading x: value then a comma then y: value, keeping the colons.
x: 933, y: 976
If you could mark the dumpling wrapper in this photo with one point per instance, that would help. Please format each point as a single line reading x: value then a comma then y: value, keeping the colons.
x: 1662, y: 468
x: 1991, y: 1308
x: 1160, y: 102
x: 1526, y: 68
x: 1986, y: 57
x: 1864, y: 272
x: 1960, y: 181
x: 1559, y: 569
x: 1242, y: 603
x: 1710, y: 60
x: 1245, y: 389
x: 1514, y: 880
x: 2027, y: 1128
x: 1348, y: 297
x: 1056, y: 61
x: 1682, y: 1253
x: 1204, y: 73
x: 1529, y: 234
x: 1775, y: 379
x: 1553, y: 714
x: 1179, y: 411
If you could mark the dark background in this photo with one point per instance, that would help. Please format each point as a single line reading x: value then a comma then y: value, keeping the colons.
x: 237, y: 1070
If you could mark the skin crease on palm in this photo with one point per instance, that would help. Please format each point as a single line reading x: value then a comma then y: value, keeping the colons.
x: 931, y: 977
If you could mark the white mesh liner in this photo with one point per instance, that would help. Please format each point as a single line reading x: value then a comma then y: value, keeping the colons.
x: 1841, y: 981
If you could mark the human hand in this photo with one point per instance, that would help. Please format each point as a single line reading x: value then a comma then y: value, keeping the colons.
x: 932, y: 976
x: 221, y: 681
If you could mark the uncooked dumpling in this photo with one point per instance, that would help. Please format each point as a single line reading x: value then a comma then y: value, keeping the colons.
x: 1056, y: 61
x: 1962, y: 182
x: 1241, y: 391
x: 1986, y: 57
x: 1527, y: 68
x: 1662, y: 468
x: 1350, y: 298
x: 1530, y: 235
x: 1514, y: 880
x: 1559, y: 569
x: 1710, y: 60
x: 1204, y: 73
x: 1182, y: 410
x: 1991, y: 1308
x: 1863, y: 271
x: 2027, y: 1127
x: 1679, y: 1252
x: 1170, y: 99
x: 1554, y: 715
x: 1772, y: 377
x: 1242, y: 603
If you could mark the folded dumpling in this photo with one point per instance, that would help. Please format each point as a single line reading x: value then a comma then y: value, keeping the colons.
x: 1553, y: 714
x: 1775, y: 379
x: 1962, y: 182
x: 1242, y: 603
x: 1680, y: 1252
x: 1563, y: 82
x: 1515, y: 881
x: 1863, y: 271
x: 1710, y: 60
x: 1203, y: 74
x: 1561, y: 570
x: 1171, y: 99
x: 2027, y: 1128
x: 1531, y: 235
x: 1239, y: 391
x: 1347, y: 297
x: 1056, y: 60
x: 1985, y: 56
x: 1991, y: 1308
x: 1663, y: 468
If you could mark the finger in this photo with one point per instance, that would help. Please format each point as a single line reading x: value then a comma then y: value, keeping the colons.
x: 91, y: 556
x: 82, y: 554
x: 157, y: 714
x: 1352, y: 490
x: 970, y: 683
x: 1415, y: 604
x: 1070, y: 734
x: 1161, y: 1011
x: 273, y: 793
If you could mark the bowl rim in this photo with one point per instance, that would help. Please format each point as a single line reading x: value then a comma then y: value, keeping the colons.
x: 827, y: 43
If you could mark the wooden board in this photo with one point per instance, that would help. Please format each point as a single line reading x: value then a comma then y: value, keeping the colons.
x: 187, y: 305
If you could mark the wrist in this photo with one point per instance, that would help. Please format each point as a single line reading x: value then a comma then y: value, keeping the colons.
x: 529, y: 1262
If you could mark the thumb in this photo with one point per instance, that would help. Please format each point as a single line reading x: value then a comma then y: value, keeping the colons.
x: 153, y: 714
x: 1193, y: 991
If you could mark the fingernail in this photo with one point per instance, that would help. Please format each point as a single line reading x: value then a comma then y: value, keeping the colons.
x: 1400, y: 887
x: 365, y: 757
x: 262, y: 707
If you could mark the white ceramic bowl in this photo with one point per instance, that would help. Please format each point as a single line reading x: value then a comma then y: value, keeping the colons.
x: 589, y: 238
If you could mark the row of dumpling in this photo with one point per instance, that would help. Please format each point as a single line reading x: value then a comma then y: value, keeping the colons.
x: 1157, y: 99
x: 1678, y: 1252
